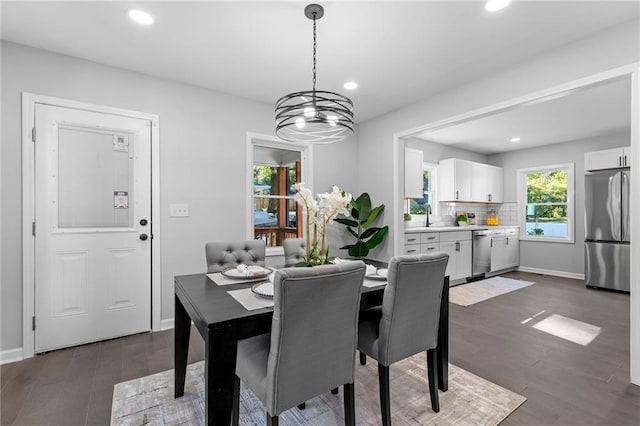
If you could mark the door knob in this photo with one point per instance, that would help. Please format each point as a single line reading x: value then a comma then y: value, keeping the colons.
x: 143, y: 222
x: 143, y: 237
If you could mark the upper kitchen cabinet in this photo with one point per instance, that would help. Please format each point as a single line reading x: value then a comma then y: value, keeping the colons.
x: 486, y: 183
x: 413, y: 185
x: 454, y: 180
x: 608, y: 159
x: 462, y: 180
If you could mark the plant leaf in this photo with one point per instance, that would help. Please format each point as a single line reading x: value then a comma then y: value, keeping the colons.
x: 347, y: 247
x: 369, y: 232
x: 378, y: 237
x: 372, y: 216
x: 355, y: 210
x: 364, y: 201
x: 360, y: 249
x: 345, y: 221
x: 352, y: 232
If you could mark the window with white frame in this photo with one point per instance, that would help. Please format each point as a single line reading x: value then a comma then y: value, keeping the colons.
x: 545, y: 203
x: 274, y: 169
x: 419, y: 206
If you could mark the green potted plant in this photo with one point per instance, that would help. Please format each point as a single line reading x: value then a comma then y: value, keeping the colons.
x: 360, y: 226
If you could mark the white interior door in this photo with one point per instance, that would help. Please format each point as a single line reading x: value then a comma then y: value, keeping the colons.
x: 92, y: 226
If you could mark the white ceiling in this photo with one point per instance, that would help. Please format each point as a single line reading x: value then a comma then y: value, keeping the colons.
x: 600, y: 110
x: 399, y: 52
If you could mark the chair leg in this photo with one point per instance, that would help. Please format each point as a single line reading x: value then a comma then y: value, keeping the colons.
x: 385, y: 399
x: 272, y: 420
x: 363, y: 359
x: 349, y: 405
x: 334, y: 391
x: 302, y: 406
x: 432, y: 373
x: 235, y: 410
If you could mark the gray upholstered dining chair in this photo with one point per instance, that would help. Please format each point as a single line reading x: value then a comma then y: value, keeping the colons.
x: 312, y: 345
x: 294, y: 251
x: 407, y: 322
x: 225, y: 255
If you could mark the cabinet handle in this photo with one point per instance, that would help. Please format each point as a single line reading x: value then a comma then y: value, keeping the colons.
x: 507, y: 240
x: 456, y: 195
x: 492, y: 242
x: 625, y: 160
x: 620, y: 161
x: 412, y: 239
x: 457, y: 245
x: 410, y: 251
x: 431, y: 238
x: 431, y: 248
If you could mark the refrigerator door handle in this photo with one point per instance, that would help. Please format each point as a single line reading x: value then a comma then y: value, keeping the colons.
x: 615, y: 205
x: 625, y: 217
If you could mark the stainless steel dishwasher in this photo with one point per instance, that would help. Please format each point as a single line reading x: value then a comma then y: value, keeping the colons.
x: 481, y: 252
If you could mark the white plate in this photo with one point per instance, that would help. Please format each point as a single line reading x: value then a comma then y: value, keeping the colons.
x: 263, y: 289
x: 381, y: 275
x: 234, y: 273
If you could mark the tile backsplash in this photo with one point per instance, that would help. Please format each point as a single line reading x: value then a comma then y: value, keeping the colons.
x: 507, y: 212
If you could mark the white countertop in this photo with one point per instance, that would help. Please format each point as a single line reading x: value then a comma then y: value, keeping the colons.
x: 455, y: 228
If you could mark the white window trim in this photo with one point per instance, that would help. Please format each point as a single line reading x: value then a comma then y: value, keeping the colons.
x: 522, y: 191
x: 270, y: 141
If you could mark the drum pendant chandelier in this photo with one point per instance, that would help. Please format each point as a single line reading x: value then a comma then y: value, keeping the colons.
x: 314, y: 116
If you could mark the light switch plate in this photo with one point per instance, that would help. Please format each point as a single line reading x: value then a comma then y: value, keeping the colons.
x: 178, y: 210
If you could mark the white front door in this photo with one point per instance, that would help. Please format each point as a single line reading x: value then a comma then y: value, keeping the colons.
x: 92, y: 226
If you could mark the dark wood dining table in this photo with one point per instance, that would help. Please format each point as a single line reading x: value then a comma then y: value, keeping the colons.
x: 222, y: 322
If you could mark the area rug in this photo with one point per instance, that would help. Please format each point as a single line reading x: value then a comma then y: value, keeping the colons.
x: 477, y: 291
x: 470, y: 400
x: 569, y: 329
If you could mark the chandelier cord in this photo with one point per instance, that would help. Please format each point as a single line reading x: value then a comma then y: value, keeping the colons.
x: 314, y: 51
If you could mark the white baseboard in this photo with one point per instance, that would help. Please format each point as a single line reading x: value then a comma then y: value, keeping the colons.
x: 11, y: 355
x: 563, y: 274
x: 166, y: 324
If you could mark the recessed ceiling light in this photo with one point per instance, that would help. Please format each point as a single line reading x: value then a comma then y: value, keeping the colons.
x: 495, y: 5
x: 141, y: 17
x: 350, y: 85
x: 514, y: 140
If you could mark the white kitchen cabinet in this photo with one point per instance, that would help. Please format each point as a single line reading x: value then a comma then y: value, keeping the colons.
x: 486, y: 183
x: 496, y: 184
x: 454, y: 177
x: 607, y: 159
x: 457, y: 245
x: 505, y: 249
x: 413, y: 184
x: 462, y: 180
x: 513, y: 248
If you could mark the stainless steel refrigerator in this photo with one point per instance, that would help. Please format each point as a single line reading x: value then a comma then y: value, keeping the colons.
x: 607, y: 235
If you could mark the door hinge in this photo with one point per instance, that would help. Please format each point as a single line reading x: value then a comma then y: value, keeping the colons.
x: 33, y: 323
x: 33, y: 229
x: 33, y: 134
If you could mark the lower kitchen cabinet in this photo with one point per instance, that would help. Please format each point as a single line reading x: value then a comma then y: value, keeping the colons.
x: 457, y: 244
x: 505, y: 249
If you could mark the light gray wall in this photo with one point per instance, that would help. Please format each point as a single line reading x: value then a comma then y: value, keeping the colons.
x: 433, y: 152
x: 609, y: 49
x: 563, y: 257
x: 202, y: 156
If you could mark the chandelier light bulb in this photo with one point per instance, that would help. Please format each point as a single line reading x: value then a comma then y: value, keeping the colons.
x: 332, y: 120
x: 309, y: 112
x: 300, y: 123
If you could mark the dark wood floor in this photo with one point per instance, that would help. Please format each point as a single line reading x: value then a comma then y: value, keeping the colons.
x: 565, y: 384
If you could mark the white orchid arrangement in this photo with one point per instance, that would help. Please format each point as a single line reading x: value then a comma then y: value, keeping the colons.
x: 317, y: 215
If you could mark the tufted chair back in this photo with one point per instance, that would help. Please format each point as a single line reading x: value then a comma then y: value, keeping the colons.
x: 293, y: 251
x: 221, y: 256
